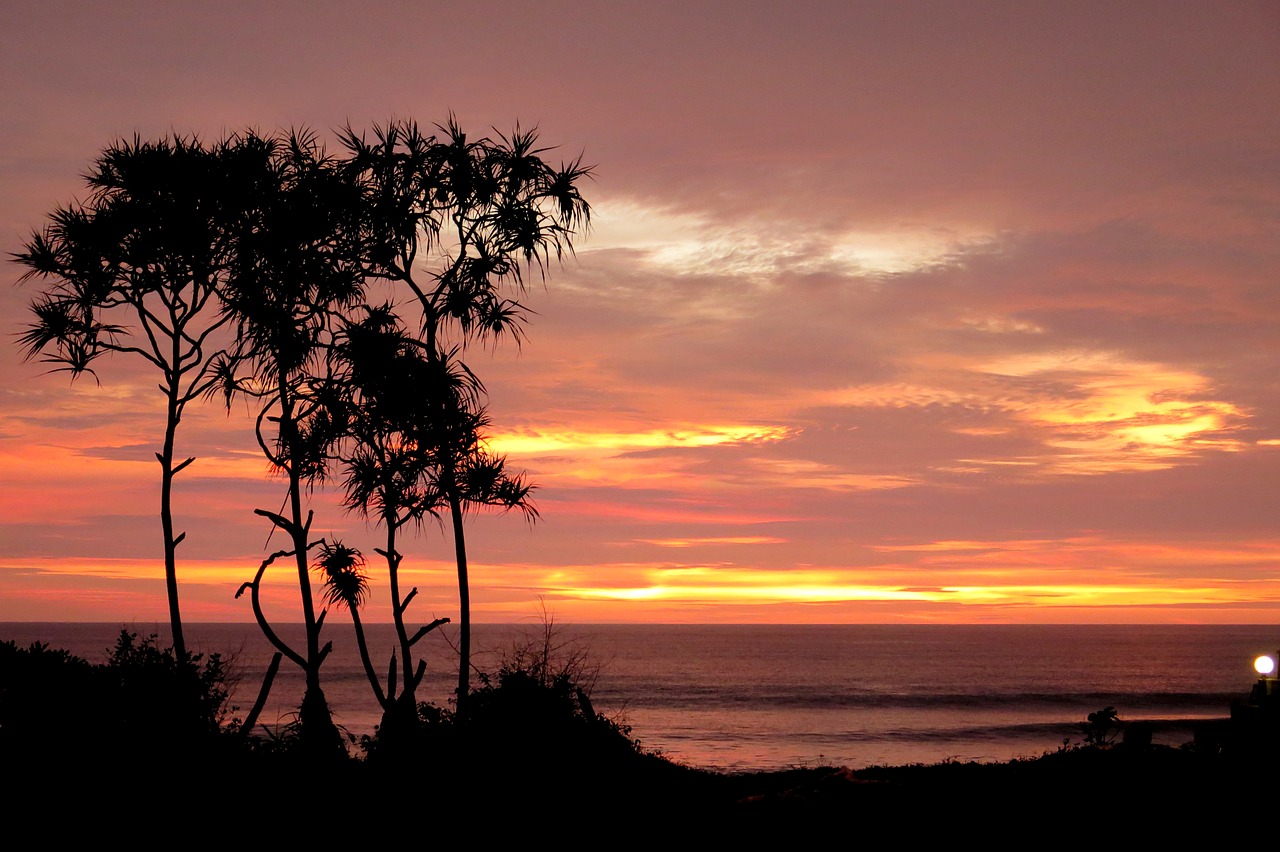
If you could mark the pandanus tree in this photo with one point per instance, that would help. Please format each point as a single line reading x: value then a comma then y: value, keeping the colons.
x: 346, y: 584
x: 467, y: 476
x: 482, y: 212
x: 388, y: 474
x: 418, y: 451
x: 135, y: 270
x: 294, y: 273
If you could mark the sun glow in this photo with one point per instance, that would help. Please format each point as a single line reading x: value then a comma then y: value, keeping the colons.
x: 1027, y: 580
x: 534, y: 442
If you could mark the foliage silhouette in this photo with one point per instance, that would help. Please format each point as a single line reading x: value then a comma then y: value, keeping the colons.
x: 1101, y: 727
x: 346, y: 584
x: 294, y: 270
x: 487, y: 209
x: 390, y: 471
x: 144, y: 705
x: 284, y: 239
x: 530, y: 730
x: 151, y: 246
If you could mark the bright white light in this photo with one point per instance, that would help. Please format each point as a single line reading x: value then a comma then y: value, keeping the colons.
x: 1264, y: 665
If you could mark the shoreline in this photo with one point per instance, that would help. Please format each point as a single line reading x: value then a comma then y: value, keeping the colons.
x: 734, y: 700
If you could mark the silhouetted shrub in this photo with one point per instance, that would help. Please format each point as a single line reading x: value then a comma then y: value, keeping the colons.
x: 1101, y: 727
x: 44, y: 693
x: 528, y: 730
x: 162, y: 696
x: 143, y: 705
x: 549, y: 719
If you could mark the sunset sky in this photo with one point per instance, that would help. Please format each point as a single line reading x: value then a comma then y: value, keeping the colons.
x: 937, y: 311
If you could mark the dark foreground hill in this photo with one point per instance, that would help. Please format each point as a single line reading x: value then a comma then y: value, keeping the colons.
x: 139, y: 748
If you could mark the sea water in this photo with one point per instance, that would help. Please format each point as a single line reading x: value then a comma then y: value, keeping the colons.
x: 746, y: 697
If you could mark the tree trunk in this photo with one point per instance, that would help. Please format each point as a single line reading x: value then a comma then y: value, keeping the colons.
x: 366, y: 660
x: 316, y: 722
x: 166, y: 524
x: 397, y: 606
x: 464, y: 606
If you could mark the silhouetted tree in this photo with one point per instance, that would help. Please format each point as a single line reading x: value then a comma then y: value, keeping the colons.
x: 345, y: 584
x: 284, y: 237
x: 133, y: 270
x: 468, y: 476
x: 387, y: 472
x: 486, y: 210
x: 294, y: 271
x: 419, y: 451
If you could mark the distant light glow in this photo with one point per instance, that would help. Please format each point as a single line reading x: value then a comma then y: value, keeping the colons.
x: 1264, y: 665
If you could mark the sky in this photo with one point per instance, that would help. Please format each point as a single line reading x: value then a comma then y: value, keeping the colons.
x: 890, y: 312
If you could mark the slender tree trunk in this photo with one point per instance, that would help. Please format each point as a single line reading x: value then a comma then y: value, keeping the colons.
x: 166, y: 524
x: 399, y: 713
x: 464, y: 604
x: 365, y: 659
x: 397, y: 604
x: 314, y: 716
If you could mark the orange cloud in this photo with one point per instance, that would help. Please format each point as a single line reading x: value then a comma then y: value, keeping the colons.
x: 694, y: 542
x: 1091, y: 412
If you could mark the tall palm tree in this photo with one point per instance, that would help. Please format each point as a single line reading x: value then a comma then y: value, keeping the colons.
x: 149, y: 247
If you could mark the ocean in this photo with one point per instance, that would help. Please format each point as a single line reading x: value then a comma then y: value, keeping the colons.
x: 756, y: 697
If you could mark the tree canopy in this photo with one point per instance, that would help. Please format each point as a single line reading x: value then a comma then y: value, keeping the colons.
x: 138, y: 269
x: 244, y: 269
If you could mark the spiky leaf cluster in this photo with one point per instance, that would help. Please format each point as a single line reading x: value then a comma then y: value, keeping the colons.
x: 484, y: 209
x: 342, y: 570
x: 152, y: 241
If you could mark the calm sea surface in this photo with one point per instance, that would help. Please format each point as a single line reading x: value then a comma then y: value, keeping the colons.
x: 763, y: 697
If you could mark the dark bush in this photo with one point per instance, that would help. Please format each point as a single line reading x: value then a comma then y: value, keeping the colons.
x: 529, y: 726
x: 143, y: 705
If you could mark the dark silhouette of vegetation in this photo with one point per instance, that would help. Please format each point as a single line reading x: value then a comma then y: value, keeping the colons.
x: 292, y: 274
x: 150, y: 247
x: 264, y: 248
x: 538, y: 704
x: 391, y: 472
x: 78, y: 737
x: 530, y: 731
x: 144, y: 704
x: 488, y: 210
x: 1101, y: 727
x: 345, y: 584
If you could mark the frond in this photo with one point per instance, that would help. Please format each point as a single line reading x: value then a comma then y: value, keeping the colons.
x: 223, y: 380
x: 55, y: 325
x: 342, y: 569
x: 485, y: 482
x: 574, y: 211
